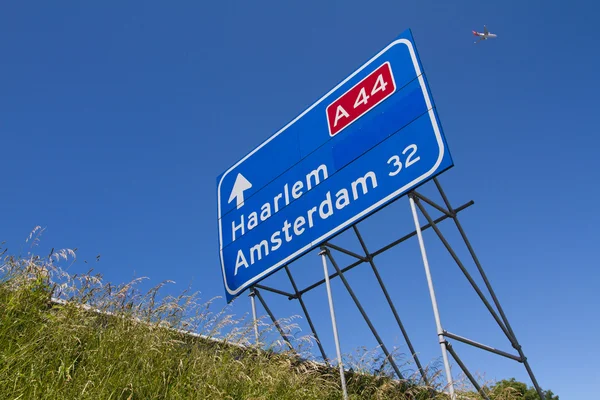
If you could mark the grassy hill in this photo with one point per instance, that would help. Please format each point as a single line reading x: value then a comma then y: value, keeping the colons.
x: 128, y: 349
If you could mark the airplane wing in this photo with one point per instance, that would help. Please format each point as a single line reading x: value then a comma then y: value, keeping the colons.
x: 485, y: 30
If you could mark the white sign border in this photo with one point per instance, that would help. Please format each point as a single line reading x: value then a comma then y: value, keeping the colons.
x: 343, y: 225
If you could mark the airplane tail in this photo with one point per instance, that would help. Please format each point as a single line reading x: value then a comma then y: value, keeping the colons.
x: 475, y: 33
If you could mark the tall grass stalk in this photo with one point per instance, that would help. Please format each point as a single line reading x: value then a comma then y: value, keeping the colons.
x: 68, y: 336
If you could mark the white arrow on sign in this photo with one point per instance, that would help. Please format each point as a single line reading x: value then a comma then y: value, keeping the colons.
x: 241, y: 184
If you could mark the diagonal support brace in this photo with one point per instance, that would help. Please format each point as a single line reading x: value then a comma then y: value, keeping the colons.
x: 466, y: 371
x: 308, y: 319
x: 392, y: 307
x: 275, y: 322
x: 364, y: 314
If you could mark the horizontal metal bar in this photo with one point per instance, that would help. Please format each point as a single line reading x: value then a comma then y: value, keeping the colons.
x: 322, y: 281
x: 281, y: 292
x: 389, y: 246
x: 424, y: 227
x: 481, y: 346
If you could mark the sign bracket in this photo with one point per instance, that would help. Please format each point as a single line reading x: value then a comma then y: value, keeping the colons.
x: 515, y: 343
x: 384, y: 248
x: 372, y: 139
x: 447, y: 212
x: 501, y: 320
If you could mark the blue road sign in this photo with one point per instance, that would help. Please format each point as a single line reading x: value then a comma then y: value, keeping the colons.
x: 368, y: 141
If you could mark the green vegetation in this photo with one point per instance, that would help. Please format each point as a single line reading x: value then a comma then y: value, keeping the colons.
x: 512, y: 389
x: 114, y: 342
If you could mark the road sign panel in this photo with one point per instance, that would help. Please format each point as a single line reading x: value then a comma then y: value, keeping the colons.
x: 371, y: 139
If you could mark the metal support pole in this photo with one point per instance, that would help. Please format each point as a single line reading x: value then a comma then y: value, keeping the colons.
x: 391, y: 304
x: 323, y: 253
x: 254, y: 319
x: 514, y: 340
x: 481, y: 346
x: 388, y: 356
x: 440, y: 331
x: 308, y: 319
x: 268, y: 310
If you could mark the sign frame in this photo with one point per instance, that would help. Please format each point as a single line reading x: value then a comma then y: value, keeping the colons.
x: 403, y: 39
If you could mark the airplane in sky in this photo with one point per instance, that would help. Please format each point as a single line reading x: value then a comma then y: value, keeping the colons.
x: 484, y: 35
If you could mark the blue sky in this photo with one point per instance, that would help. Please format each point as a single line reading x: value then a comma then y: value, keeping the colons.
x: 116, y: 118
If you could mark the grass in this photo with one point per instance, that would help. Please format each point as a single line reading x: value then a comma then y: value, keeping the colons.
x: 76, y: 337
